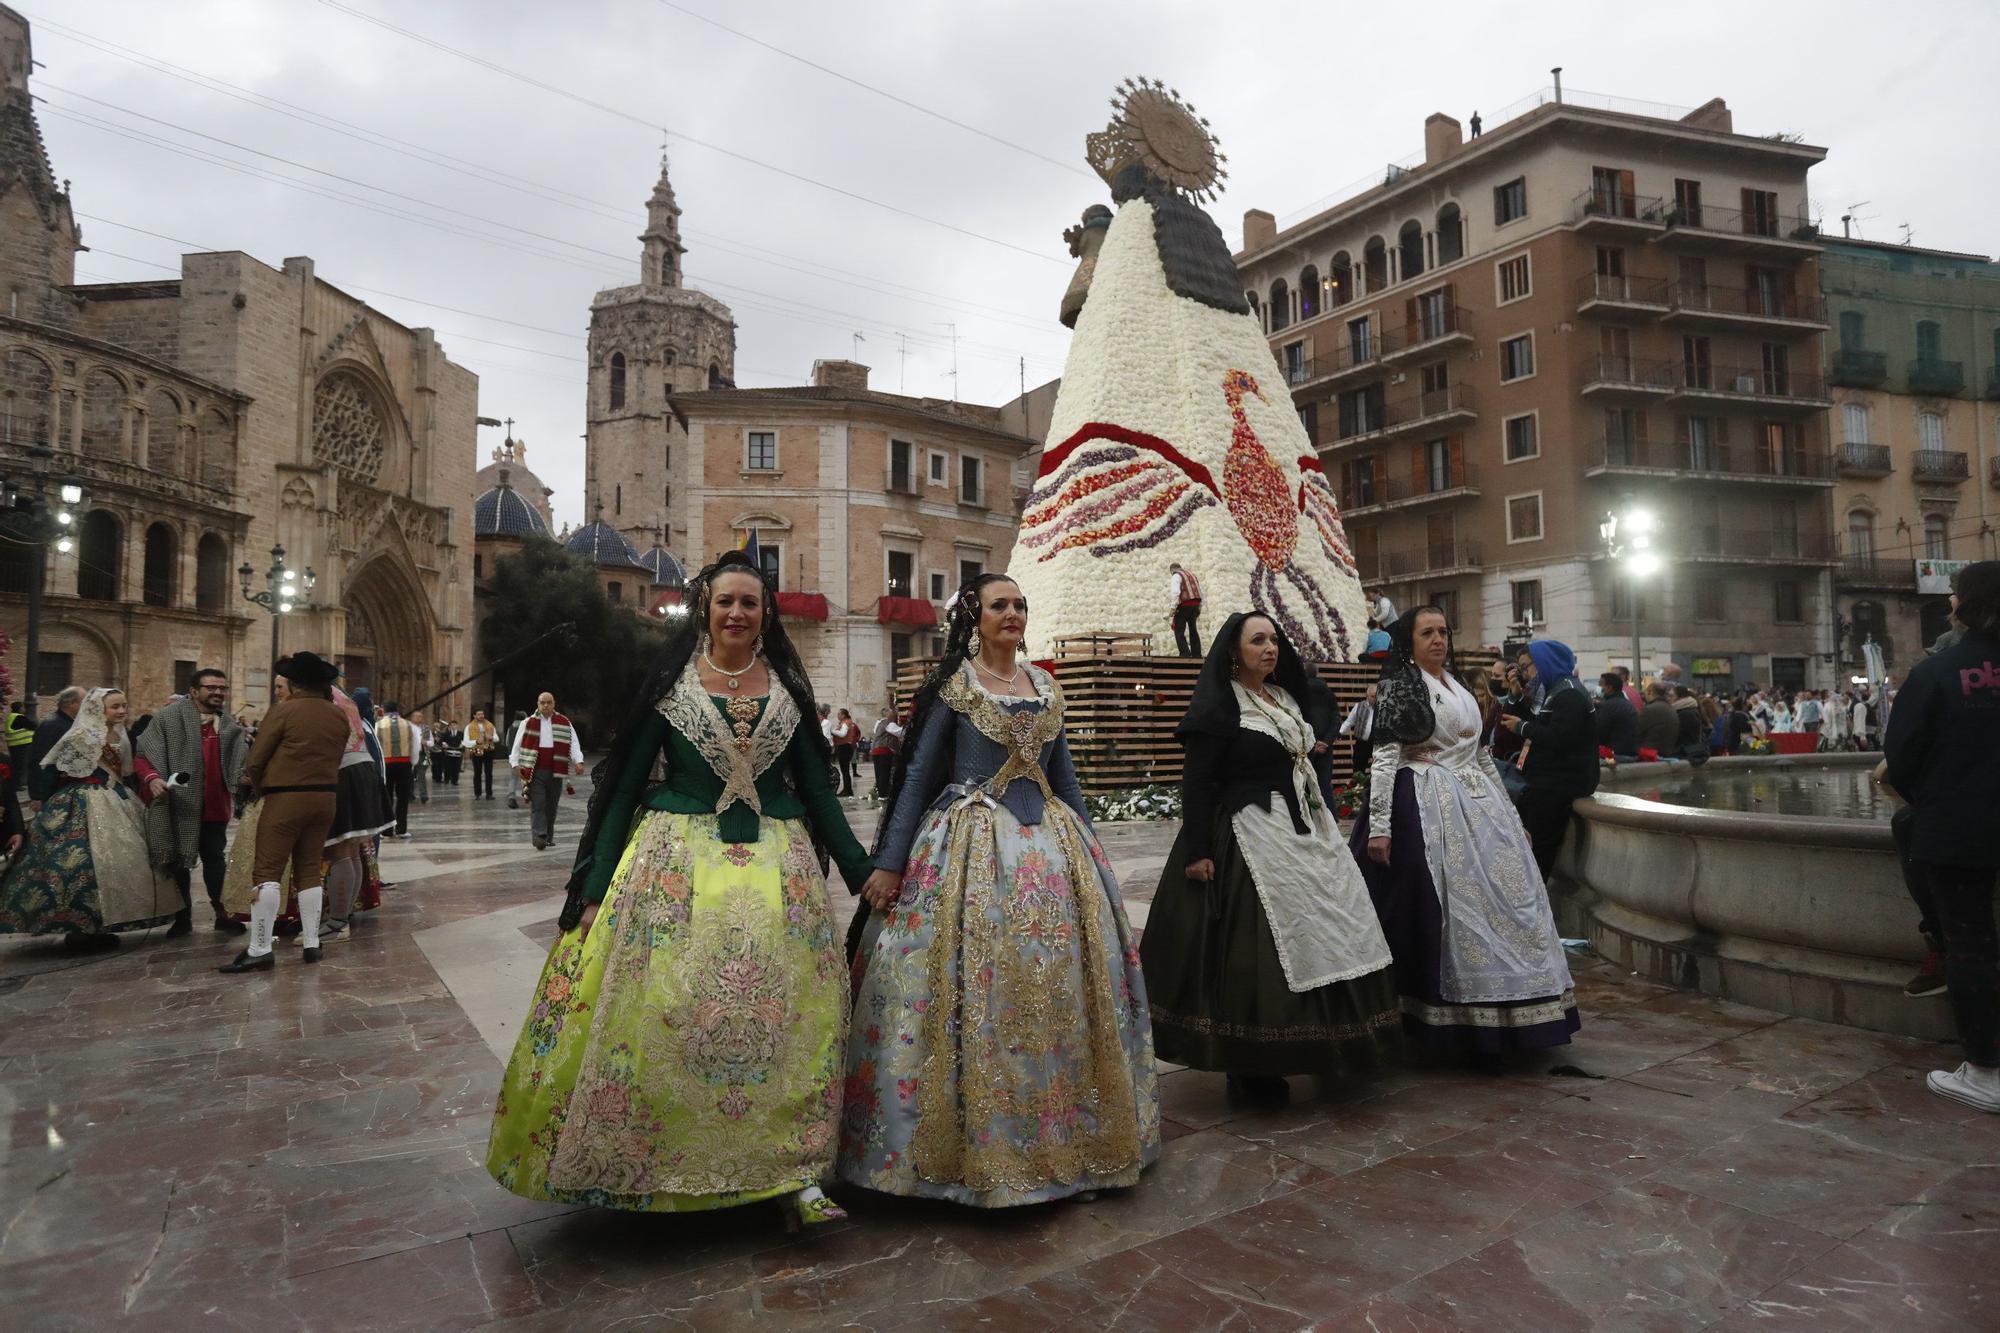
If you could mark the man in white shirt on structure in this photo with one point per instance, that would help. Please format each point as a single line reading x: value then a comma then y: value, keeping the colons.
x: 1184, y: 594
x: 1381, y: 611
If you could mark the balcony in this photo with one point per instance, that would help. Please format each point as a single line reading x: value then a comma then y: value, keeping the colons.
x: 1716, y: 463
x: 1930, y: 375
x: 1625, y: 377
x: 1733, y: 231
x: 1856, y: 369
x: 1872, y: 571
x: 1765, y: 388
x: 1389, y: 421
x: 1616, y: 213
x: 1753, y: 546
x: 1940, y: 465
x: 1433, y: 332
x: 1385, y: 494
x: 1610, y: 295
x: 1704, y: 305
x: 1433, y: 561
x: 1342, y: 364
x: 1863, y: 460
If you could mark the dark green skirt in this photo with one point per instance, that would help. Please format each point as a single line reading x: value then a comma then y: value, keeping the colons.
x: 1218, y: 993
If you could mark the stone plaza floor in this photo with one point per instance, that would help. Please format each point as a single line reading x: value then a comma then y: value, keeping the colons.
x: 302, y: 1149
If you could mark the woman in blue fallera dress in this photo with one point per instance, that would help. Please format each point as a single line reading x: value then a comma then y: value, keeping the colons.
x: 1000, y: 1051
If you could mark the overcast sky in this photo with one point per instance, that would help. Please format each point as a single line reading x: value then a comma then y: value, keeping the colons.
x: 1306, y: 98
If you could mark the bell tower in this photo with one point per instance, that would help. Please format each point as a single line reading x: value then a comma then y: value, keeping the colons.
x: 660, y: 255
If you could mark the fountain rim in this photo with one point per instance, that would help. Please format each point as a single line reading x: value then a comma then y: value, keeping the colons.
x: 1617, y: 809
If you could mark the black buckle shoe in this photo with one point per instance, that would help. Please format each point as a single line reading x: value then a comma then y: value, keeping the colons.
x: 309, y: 955
x: 243, y: 962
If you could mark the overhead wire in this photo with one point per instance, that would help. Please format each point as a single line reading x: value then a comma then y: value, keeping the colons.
x: 533, y: 189
x: 622, y: 114
x: 830, y: 72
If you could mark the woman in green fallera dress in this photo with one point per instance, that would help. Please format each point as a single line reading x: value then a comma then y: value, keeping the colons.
x: 684, y: 1047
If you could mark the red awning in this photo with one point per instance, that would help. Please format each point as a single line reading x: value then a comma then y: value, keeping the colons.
x: 802, y: 605
x: 916, y: 612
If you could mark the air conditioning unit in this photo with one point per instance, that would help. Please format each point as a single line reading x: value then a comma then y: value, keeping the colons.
x: 1746, y: 384
x: 1399, y: 377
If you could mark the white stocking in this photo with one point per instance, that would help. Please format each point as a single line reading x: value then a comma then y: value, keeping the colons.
x: 263, y: 916
x: 309, y: 904
x: 341, y: 882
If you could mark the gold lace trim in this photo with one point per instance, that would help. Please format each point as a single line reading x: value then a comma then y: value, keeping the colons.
x: 984, y: 931
x: 740, y: 749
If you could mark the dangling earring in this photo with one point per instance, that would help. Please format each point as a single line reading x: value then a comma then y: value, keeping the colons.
x: 978, y: 642
x: 757, y: 649
x: 1233, y: 669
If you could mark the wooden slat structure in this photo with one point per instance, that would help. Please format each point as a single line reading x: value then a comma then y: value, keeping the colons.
x: 1122, y: 711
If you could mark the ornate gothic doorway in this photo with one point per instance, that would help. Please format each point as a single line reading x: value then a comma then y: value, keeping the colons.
x: 390, y: 637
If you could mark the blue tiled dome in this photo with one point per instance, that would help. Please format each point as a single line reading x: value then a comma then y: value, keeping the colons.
x: 501, y: 512
x: 604, y: 544
x: 667, y: 571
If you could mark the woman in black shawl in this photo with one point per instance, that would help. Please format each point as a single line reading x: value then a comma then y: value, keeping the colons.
x: 1262, y: 954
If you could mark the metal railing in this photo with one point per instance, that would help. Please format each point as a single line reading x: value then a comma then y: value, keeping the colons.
x: 1617, y: 205
x: 1631, y: 373
x: 1717, y: 460
x: 1859, y: 369
x: 1939, y: 465
x: 1869, y: 459
x: 1462, y: 479
x: 1755, y: 544
x: 1434, y: 558
x: 1618, y: 289
x: 1873, y: 571
x: 1931, y: 375
x: 1707, y: 298
x: 1399, y: 415
x: 1775, y: 224
x: 1750, y: 382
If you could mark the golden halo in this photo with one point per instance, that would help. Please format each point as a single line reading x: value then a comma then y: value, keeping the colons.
x: 1152, y: 127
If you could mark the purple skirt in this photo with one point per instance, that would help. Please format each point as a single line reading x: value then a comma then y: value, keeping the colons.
x: 1406, y: 899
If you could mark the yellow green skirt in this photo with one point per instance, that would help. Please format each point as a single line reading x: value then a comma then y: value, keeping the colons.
x: 687, y: 1053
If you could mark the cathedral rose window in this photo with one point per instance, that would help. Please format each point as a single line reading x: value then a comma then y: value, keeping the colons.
x: 347, y: 427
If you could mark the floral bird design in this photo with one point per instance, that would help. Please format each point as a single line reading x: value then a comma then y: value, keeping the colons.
x: 1110, y: 490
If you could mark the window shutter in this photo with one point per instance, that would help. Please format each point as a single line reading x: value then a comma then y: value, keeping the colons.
x: 1627, y: 205
x: 1450, y: 298
x: 1639, y: 426
x: 1457, y: 460
x: 1410, y: 319
x: 1721, y: 428
x: 1681, y: 436
x: 1419, y: 476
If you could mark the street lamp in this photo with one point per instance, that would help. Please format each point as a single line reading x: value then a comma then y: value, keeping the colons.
x: 284, y: 592
x: 1628, y: 539
x: 38, y: 514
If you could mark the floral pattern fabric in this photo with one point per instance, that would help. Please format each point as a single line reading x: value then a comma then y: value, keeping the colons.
x: 86, y: 868
x: 685, y: 1053
x: 1001, y: 1051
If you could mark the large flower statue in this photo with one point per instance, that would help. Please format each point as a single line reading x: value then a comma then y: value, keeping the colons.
x: 1174, y: 436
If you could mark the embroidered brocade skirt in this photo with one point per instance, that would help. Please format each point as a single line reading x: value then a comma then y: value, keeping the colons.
x: 1219, y: 995
x: 685, y: 1054
x: 1406, y: 898
x: 86, y: 869
x: 1001, y: 1052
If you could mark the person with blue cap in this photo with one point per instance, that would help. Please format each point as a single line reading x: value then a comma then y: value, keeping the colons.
x: 1559, y: 755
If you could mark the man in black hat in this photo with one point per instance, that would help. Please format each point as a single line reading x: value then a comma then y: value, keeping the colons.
x: 295, y: 767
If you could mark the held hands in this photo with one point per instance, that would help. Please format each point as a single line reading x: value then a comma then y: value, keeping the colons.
x: 1202, y: 870
x: 882, y: 889
x: 1378, y: 851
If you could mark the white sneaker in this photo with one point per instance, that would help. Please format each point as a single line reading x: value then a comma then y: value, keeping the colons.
x: 1969, y: 1085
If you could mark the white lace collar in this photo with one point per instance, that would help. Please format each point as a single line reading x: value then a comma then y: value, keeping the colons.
x: 736, y: 749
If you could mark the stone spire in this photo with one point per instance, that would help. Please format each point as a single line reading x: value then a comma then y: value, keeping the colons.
x: 46, y: 257
x: 660, y: 262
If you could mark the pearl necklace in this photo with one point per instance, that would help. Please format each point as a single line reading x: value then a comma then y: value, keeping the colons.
x: 732, y: 678
x: 1008, y: 681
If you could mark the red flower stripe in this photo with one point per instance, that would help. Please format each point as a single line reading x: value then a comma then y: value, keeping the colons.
x: 1099, y: 430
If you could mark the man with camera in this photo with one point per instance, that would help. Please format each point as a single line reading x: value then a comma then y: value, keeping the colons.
x: 192, y: 755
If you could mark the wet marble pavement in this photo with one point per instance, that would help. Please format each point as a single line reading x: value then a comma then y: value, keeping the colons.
x: 302, y: 1149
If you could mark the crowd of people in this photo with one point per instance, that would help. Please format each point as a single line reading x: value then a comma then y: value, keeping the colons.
x: 119, y: 812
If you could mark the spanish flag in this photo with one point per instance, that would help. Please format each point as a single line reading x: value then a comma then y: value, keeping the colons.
x: 748, y: 545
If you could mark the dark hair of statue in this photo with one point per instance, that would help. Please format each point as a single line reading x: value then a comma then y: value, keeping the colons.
x: 961, y: 624
x: 779, y: 655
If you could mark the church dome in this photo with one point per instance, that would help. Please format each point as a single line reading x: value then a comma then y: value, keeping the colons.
x: 604, y: 544
x: 667, y: 571
x: 502, y: 512
x: 509, y: 468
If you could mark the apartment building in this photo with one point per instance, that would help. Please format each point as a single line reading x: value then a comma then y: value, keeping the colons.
x: 1579, y: 312
x: 1915, y: 370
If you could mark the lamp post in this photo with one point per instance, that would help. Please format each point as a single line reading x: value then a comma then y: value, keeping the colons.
x: 38, y: 514
x: 1628, y: 539
x: 284, y: 592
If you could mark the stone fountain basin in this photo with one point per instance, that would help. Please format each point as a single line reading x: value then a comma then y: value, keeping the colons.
x: 1805, y: 915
